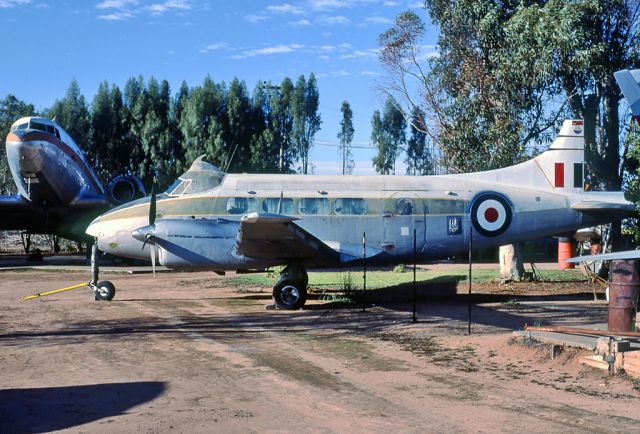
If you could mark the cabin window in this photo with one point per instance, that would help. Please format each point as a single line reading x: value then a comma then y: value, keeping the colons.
x: 271, y: 204
x: 444, y: 206
x: 57, y: 133
x: 242, y: 205
x: 350, y: 206
x: 37, y: 126
x: 314, y: 206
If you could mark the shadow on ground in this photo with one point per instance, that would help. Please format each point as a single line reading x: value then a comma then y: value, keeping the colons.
x: 54, y: 408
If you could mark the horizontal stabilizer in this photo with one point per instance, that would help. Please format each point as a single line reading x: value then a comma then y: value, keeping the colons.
x: 274, y: 236
x: 627, y: 254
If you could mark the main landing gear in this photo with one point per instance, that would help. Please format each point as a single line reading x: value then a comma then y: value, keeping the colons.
x: 290, y: 292
x: 104, y: 290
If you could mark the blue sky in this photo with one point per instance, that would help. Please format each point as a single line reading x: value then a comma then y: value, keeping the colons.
x: 48, y: 43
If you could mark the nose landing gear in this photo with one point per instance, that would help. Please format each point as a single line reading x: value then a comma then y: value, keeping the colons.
x: 104, y: 290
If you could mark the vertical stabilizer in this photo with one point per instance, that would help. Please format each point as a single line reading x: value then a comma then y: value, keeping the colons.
x: 629, y: 83
x: 563, y: 163
x: 559, y: 168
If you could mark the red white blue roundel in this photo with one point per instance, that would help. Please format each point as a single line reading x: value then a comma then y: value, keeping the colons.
x: 490, y: 214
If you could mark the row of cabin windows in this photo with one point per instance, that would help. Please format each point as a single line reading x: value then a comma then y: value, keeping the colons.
x: 340, y: 206
x: 33, y: 125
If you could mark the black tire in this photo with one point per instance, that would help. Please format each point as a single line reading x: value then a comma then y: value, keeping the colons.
x: 289, y: 295
x: 105, y: 291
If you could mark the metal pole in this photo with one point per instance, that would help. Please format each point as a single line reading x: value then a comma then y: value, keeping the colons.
x: 364, y: 270
x: 415, y: 259
x: 470, y: 267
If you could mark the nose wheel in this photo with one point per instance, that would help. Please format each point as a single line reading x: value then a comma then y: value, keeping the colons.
x: 290, y: 292
x: 104, y: 290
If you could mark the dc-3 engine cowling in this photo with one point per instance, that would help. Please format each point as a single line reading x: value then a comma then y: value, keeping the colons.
x: 124, y: 188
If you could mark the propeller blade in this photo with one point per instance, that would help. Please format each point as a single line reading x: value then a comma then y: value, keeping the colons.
x: 152, y: 204
x: 152, y: 249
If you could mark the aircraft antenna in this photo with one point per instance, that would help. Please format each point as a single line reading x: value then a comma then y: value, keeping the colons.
x: 230, y: 159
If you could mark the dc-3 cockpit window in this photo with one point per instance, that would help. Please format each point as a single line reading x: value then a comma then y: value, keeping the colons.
x: 272, y: 204
x: 314, y: 206
x: 242, y: 205
x: 20, y: 127
x: 351, y: 206
x: 201, y: 176
x: 38, y: 126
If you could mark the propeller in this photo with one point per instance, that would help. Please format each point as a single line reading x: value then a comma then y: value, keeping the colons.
x: 146, y: 234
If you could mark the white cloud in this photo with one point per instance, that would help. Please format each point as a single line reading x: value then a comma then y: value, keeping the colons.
x: 377, y: 20
x: 116, y: 4
x: 255, y: 18
x: 369, y: 73
x: 116, y: 16
x: 286, y: 8
x: 167, y: 5
x: 300, y: 23
x: 371, y: 53
x: 330, y: 21
x: 417, y: 5
x: 339, y: 73
x: 268, y: 51
x: 42, y: 6
x: 214, y: 47
x: 322, y: 5
x: 391, y: 3
x: 6, y: 4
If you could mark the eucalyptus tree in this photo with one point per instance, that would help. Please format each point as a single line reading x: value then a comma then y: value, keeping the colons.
x: 306, y: 119
x: 388, y: 134
x: 11, y: 109
x: 345, y: 136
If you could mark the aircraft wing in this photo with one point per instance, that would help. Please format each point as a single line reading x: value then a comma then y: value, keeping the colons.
x: 624, y: 255
x: 15, y: 212
x: 273, y: 236
x: 605, y: 202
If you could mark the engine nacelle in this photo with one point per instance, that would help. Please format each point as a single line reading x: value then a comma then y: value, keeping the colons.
x: 124, y: 188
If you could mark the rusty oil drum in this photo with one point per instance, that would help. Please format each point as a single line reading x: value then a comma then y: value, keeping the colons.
x: 624, y: 285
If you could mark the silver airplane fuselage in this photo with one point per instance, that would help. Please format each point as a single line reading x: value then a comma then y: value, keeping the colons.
x: 212, y: 228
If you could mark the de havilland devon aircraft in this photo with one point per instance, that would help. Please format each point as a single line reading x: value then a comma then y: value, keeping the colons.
x: 59, y: 193
x: 210, y: 220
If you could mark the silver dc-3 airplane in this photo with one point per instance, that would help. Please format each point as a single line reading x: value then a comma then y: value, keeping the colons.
x: 58, y: 191
x: 209, y: 220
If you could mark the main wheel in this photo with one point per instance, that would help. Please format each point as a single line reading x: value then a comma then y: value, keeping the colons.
x: 289, y: 295
x: 105, y: 291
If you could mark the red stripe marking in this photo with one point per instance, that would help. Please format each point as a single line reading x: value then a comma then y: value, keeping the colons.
x: 559, y: 175
x: 638, y: 119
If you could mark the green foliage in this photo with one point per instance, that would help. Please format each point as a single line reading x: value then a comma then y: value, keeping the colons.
x: 507, y: 72
x: 345, y: 136
x: 400, y: 268
x: 421, y: 159
x: 388, y: 134
x: 306, y: 119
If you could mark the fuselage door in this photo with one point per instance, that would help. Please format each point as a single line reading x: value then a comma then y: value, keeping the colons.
x: 403, y: 212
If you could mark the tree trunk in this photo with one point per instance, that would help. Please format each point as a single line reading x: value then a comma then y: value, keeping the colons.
x: 511, y: 264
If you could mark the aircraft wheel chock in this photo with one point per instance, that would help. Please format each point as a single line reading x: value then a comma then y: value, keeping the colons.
x: 289, y: 295
x: 105, y: 290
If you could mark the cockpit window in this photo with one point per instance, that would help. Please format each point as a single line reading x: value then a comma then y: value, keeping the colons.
x: 179, y: 187
x: 20, y: 126
x: 38, y: 126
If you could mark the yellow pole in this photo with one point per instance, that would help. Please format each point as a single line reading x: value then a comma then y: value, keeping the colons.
x: 55, y: 291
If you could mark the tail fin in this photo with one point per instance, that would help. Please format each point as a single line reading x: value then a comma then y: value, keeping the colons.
x: 560, y: 168
x: 629, y: 83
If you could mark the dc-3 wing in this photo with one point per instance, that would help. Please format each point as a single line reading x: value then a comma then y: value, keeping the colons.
x: 274, y: 236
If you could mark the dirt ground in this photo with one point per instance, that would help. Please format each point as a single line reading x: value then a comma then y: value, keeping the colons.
x: 185, y: 352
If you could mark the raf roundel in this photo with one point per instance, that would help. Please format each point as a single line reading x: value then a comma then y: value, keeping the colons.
x: 490, y: 214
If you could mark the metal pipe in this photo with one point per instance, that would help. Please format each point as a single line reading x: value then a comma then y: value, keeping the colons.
x: 580, y: 331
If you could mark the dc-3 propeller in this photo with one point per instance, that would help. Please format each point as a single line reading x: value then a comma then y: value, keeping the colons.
x: 146, y: 234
